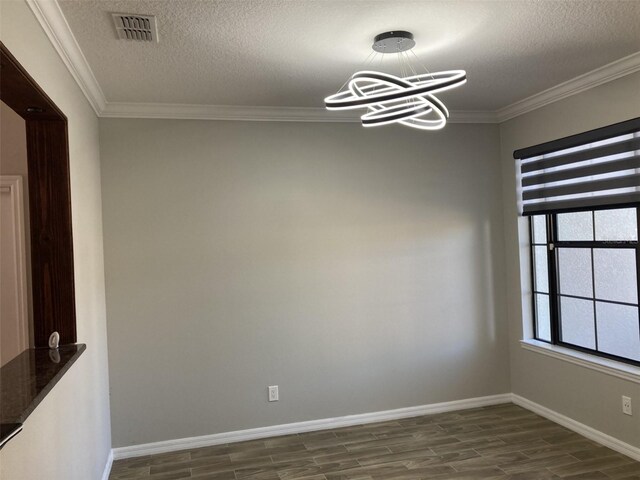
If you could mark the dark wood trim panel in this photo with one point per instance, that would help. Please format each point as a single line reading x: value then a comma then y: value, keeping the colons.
x: 52, y: 270
x: 51, y: 242
x: 21, y: 92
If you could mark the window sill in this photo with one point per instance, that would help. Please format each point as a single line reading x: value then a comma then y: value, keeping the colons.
x: 27, y: 379
x: 602, y: 365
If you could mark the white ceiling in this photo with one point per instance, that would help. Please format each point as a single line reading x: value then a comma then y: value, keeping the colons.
x: 295, y: 52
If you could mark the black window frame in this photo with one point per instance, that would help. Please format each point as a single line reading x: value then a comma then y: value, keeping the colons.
x: 552, y: 245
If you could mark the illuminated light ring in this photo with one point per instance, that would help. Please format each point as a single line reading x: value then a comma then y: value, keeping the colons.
x: 394, y: 90
x: 388, y: 114
x: 411, y: 115
x: 407, y: 87
x: 387, y: 98
x: 404, y: 113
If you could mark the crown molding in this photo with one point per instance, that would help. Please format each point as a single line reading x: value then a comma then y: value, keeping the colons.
x: 599, y: 76
x: 257, y: 114
x: 55, y: 26
x: 53, y: 22
x: 224, y: 112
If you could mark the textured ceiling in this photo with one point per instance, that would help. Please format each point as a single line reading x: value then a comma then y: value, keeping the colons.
x: 295, y: 52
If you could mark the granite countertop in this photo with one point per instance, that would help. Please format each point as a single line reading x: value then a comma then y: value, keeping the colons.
x: 29, y: 377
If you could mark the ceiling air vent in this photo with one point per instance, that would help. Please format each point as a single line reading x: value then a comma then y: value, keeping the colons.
x: 135, y: 27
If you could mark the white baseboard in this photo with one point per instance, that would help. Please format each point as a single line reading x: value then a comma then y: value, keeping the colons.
x: 309, y: 426
x: 581, y: 428
x: 107, y: 467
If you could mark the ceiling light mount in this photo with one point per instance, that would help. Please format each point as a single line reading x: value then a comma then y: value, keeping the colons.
x: 393, y: 42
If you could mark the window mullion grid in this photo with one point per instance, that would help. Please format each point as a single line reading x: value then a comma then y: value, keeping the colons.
x: 553, y: 274
x: 593, y: 282
x: 533, y: 278
x: 554, y: 293
x: 638, y: 263
x: 613, y: 302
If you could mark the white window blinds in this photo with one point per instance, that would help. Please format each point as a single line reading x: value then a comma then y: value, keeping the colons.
x: 595, y: 169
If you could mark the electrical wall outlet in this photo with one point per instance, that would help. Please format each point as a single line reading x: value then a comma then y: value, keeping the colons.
x: 626, y: 405
x: 273, y: 393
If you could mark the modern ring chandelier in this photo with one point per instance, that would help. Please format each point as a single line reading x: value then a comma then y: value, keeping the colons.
x: 408, y: 99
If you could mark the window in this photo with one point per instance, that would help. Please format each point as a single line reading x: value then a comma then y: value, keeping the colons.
x: 582, y: 196
x: 586, y: 271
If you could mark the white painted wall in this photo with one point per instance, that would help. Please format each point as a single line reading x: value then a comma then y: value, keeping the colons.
x: 585, y: 395
x: 360, y: 270
x: 68, y: 435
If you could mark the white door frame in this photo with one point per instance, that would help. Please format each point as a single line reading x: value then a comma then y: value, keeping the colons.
x: 12, y: 184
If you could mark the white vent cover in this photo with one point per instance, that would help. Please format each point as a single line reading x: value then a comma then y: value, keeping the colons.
x: 135, y: 27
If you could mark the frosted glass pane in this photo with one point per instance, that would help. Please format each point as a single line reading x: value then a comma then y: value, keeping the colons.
x: 577, y: 322
x: 541, y: 273
x: 618, y: 330
x: 619, y: 224
x: 543, y: 323
x: 575, y: 271
x: 615, y: 273
x: 539, y: 229
x: 575, y: 226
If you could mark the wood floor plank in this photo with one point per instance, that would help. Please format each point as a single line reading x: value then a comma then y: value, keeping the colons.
x: 357, y: 473
x: 267, y: 451
x: 496, y: 460
x: 623, y: 471
x: 372, y: 454
x: 532, y: 465
x: 314, y: 470
x: 448, y: 459
x: 543, y: 449
x: 589, y: 466
x: 316, y: 454
x: 537, y: 475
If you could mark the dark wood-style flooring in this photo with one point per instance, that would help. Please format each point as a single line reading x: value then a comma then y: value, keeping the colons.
x: 498, y: 442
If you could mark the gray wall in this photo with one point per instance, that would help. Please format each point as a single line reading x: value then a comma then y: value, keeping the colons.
x: 358, y: 269
x: 68, y: 435
x: 585, y: 395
